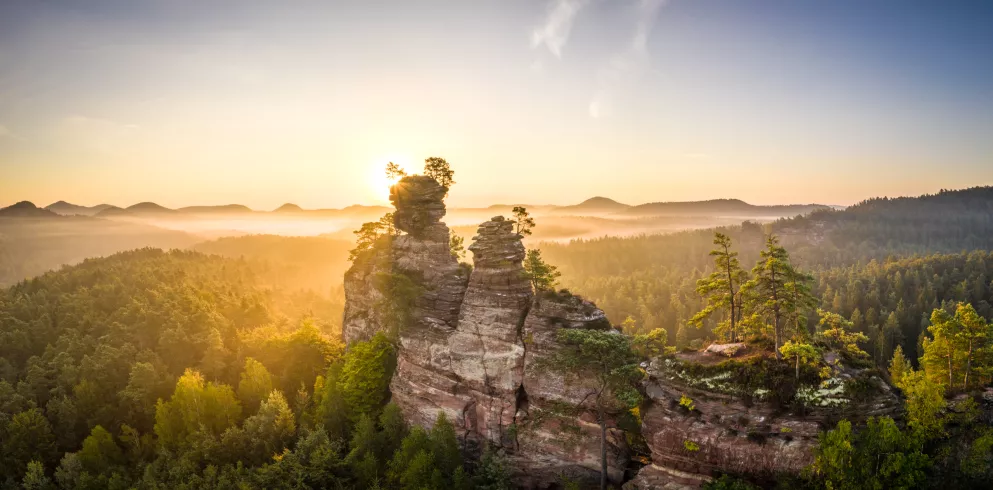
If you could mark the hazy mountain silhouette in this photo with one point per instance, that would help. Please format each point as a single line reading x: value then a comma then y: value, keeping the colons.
x: 69, y: 209
x: 288, y: 208
x: 26, y: 209
x: 224, y: 209
x: 718, y: 207
x: 142, y: 209
x: 593, y: 205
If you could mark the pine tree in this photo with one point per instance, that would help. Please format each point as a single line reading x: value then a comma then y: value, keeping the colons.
x: 394, y: 171
x: 721, y: 289
x: 898, y: 366
x: 542, y: 275
x: 941, y: 350
x: 438, y: 169
x: 523, y: 222
x: 974, y: 336
x: 778, y: 292
x: 606, y: 361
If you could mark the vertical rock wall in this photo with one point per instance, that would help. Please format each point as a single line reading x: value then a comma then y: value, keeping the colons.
x: 467, y: 348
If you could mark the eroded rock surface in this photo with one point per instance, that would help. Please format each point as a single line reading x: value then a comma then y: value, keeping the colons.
x: 467, y: 347
x: 726, y: 434
x: 551, y: 445
x: 476, y: 347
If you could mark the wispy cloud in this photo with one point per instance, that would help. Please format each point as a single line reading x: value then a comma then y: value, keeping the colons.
x: 554, y: 33
x: 627, y: 66
x: 5, y: 132
x: 96, y: 134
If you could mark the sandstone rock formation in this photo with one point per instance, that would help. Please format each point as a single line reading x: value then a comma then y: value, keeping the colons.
x: 552, y: 445
x: 469, y: 346
x: 476, y: 347
x: 733, y: 435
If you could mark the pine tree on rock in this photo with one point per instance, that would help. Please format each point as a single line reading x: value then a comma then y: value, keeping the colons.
x: 722, y: 288
x: 777, y: 292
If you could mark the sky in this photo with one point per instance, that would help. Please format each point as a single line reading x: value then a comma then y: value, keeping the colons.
x: 199, y: 102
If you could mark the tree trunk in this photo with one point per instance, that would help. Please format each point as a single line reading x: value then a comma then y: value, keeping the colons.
x: 968, y: 367
x: 950, y: 355
x: 797, y: 369
x: 775, y: 313
x: 730, y: 291
x: 603, y: 450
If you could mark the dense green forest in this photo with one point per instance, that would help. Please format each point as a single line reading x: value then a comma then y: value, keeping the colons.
x: 314, y: 263
x: 652, y: 279
x: 30, y: 246
x: 182, y: 370
x: 223, y: 367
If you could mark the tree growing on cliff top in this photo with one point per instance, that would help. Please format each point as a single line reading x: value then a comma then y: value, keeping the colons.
x: 366, y: 238
x: 836, y: 332
x: 604, y: 361
x: 775, y: 293
x: 543, y: 276
x: 800, y: 351
x: 721, y: 288
x: 394, y: 172
x: 523, y: 222
x: 438, y: 169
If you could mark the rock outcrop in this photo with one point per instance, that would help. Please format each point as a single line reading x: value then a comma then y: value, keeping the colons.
x: 749, y: 436
x: 471, y: 344
x: 476, y: 347
x: 486, y: 350
x: 550, y: 444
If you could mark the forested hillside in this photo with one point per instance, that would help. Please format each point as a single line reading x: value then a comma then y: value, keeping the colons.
x: 30, y: 246
x: 652, y: 279
x: 182, y: 370
x: 314, y: 263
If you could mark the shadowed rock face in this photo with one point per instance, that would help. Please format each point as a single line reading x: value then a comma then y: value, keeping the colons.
x: 486, y: 351
x: 464, y: 351
x: 420, y: 205
x: 477, y: 345
x: 733, y: 436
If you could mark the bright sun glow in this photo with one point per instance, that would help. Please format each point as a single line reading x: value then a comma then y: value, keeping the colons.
x: 379, y: 182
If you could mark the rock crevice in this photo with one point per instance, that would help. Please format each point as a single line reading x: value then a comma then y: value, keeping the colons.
x: 476, y: 345
x: 466, y: 348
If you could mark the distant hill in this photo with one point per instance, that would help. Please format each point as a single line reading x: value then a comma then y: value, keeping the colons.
x: 69, y: 209
x: 593, y: 205
x: 225, y: 209
x: 288, y: 208
x: 149, y: 208
x: 720, y: 207
x: 111, y: 211
x: 315, y: 263
x: 142, y: 209
x: 25, y: 209
x: 29, y: 247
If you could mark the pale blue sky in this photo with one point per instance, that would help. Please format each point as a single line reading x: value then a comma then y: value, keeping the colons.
x: 258, y: 102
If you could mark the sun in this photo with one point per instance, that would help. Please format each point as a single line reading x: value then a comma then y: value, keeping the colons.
x: 379, y: 182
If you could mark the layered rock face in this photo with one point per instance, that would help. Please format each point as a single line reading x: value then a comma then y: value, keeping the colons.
x: 477, y: 346
x: 468, y: 347
x: 424, y: 383
x: 549, y: 444
x: 486, y: 350
x: 733, y: 436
